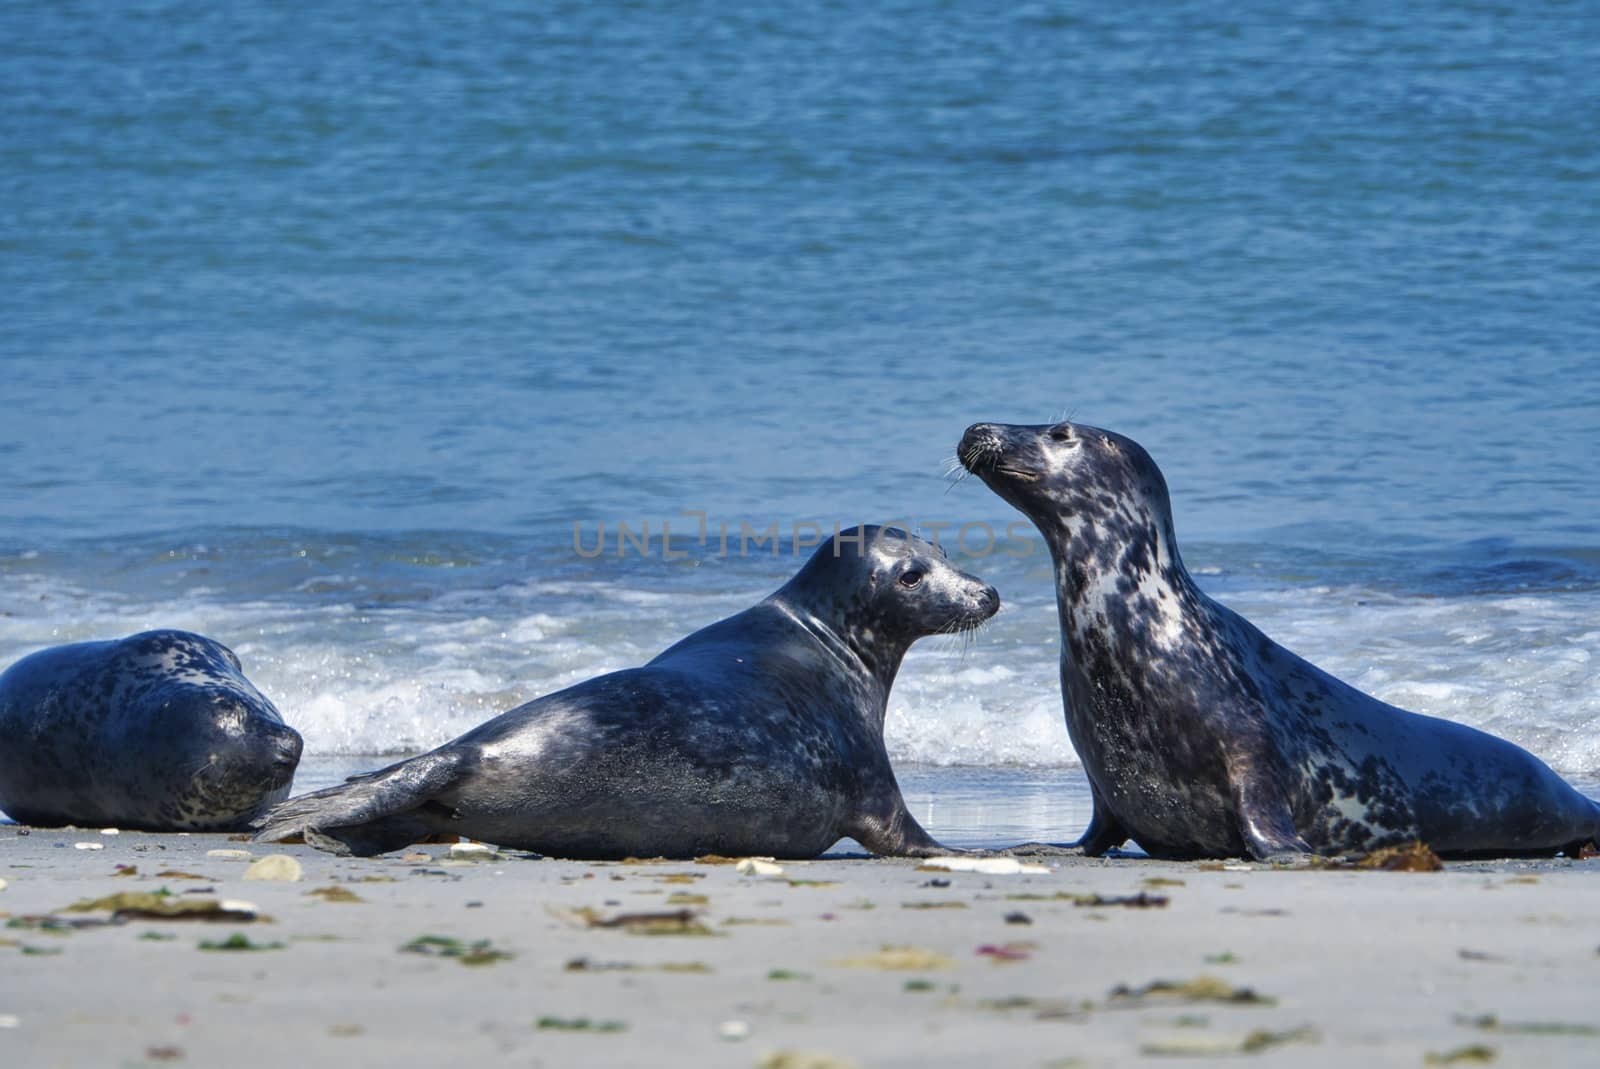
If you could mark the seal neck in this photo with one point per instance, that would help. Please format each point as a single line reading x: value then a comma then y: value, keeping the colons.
x: 854, y: 639
x: 1093, y: 561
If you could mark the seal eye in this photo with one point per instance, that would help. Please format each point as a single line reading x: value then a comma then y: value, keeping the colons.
x: 910, y: 578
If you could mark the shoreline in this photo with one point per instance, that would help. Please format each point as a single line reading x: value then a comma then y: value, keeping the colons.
x: 1284, y: 966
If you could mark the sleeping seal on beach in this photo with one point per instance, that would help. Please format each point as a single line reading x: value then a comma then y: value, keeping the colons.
x: 760, y: 734
x: 1202, y: 737
x: 159, y: 731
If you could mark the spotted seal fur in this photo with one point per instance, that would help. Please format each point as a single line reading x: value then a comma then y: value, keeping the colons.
x: 159, y: 731
x: 1202, y: 737
x: 760, y: 734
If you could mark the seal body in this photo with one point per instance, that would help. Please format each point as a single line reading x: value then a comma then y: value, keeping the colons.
x: 1202, y: 737
x: 159, y: 731
x: 760, y: 734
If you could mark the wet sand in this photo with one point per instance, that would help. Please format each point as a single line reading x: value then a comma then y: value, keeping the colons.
x: 844, y: 961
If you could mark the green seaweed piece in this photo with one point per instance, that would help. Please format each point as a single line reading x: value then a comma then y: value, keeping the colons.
x: 237, y: 941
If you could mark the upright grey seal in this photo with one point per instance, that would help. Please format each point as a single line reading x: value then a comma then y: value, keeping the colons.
x: 760, y: 734
x: 1202, y: 737
x: 159, y: 731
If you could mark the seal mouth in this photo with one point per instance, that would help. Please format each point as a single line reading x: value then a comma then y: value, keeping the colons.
x: 1014, y: 472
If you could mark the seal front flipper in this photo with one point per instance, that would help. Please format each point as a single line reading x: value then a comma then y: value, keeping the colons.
x: 1265, y: 822
x: 1103, y: 832
x: 895, y: 833
x: 375, y: 812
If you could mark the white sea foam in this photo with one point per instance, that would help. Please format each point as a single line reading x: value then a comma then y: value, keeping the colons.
x: 382, y: 678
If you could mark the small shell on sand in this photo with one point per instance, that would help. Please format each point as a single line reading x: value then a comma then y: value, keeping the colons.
x: 758, y: 866
x: 280, y: 867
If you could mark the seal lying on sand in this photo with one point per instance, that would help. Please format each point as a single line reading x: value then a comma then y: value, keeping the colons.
x: 159, y: 731
x: 1202, y: 737
x: 761, y: 734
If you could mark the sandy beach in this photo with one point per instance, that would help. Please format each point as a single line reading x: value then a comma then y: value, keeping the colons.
x: 422, y: 958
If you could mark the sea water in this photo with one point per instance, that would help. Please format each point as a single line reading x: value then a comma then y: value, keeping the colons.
x: 372, y: 340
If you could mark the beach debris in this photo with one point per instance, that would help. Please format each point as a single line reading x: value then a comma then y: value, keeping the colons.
x: 110, y: 831
x: 9, y: 1021
x: 983, y: 866
x: 1476, y: 1054
x: 126, y: 870
x: 898, y: 959
x: 756, y: 922
x: 479, y: 952
x: 681, y: 898
x: 345, y: 1031
x: 1489, y: 1022
x: 1042, y: 1009
x: 471, y: 851
x: 1224, y: 958
x: 88, y: 846
x: 680, y: 967
x: 1018, y: 917
x: 230, y: 855
x: 1466, y: 954
x: 1414, y: 856
x: 1204, y: 1045
x: 733, y: 1030
x: 164, y: 1054
x: 416, y: 855
x: 579, y: 1024
x: 279, y: 868
x: 934, y: 905
x: 1005, y: 953
x: 1161, y: 881
x: 758, y: 866
x: 1200, y: 989
x: 935, y: 883
x: 157, y: 937
x: 678, y: 877
x: 1142, y: 900
x: 803, y: 1059
x: 918, y: 985
x: 3, y: 884
x: 335, y: 893
x: 1523, y: 879
x: 670, y: 922
x: 1588, y: 851
x: 37, y: 952
x: 178, y: 874
x: 237, y: 941
x: 787, y: 974
x: 715, y: 859
x: 161, y: 905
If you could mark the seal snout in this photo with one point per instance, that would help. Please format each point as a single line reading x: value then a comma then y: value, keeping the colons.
x: 980, y: 447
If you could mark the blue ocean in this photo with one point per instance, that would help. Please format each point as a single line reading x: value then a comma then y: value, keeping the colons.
x: 438, y: 356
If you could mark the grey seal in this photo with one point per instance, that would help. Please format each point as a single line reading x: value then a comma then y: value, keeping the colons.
x: 760, y: 734
x: 1202, y: 737
x: 159, y: 731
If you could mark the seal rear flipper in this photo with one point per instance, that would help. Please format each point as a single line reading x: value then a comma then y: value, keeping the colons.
x: 370, y: 814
